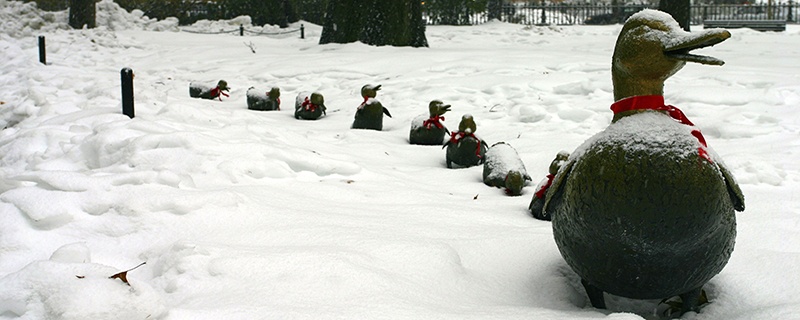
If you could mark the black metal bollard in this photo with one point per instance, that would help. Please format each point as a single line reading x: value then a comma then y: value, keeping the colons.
x: 241, y: 30
x: 127, y: 92
x: 302, y: 31
x: 42, y: 54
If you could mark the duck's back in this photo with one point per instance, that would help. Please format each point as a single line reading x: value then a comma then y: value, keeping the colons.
x: 640, y: 213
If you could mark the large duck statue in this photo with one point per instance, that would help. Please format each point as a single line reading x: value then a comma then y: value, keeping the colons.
x: 645, y: 209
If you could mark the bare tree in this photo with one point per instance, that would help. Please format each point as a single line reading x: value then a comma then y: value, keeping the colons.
x: 681, y: 10
x: 82, y: 13
x: 375, y: 22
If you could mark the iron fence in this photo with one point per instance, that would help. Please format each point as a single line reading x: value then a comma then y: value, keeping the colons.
x: 569, y: 14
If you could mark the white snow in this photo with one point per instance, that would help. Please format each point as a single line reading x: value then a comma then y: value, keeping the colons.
x: 242, y: 214
x: 502, y: 158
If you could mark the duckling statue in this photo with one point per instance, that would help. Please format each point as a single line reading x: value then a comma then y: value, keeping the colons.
x: 206, y: 91
x: 464, y: 149
x: 503, y: 168
x: 309, y: 106
x: 645, y: 209
x: 537, y: 203
x: 369, y: 114
x: 257, y: 100
x: 428, y: 129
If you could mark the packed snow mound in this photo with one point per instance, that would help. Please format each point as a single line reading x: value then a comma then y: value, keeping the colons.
x: 75, y: 290
x: 18, y: 19
x: 25, y: 19
x: 114, y: 17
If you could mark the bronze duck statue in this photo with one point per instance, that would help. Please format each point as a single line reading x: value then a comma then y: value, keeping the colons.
x: 645, y: 209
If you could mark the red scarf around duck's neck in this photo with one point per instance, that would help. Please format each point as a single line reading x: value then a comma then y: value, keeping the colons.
x: 656, y: 102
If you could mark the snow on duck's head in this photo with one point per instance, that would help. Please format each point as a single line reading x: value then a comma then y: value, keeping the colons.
x: 651, y: 47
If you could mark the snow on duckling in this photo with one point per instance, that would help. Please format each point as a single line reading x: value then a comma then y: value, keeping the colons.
x: 309, y: 106
x: 208, y: 91
x: 369, y: 115
x: 262, y: 100
x: 464, y: 149
x: 504, y: 169
x: 428, y: 129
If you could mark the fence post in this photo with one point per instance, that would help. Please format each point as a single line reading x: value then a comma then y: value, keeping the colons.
x: 302, y: 31
x: 241, y: 30
x: 544, y: 17
x: 42, y: 53
x: 127, y: 92
x: 789, y: 17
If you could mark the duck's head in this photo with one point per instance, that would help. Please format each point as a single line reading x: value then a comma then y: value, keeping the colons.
x: 652, y: 47
x: 370, y: 90
x: 561, y: 157
x: 317, y: 99
x: 467, y: 124
x: 274, y: 93
x: 223, y: 85
x: 438, y: 108
x: 514, y: 183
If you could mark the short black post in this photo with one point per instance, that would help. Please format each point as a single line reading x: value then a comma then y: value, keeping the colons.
x: 241, y: 30
x: 42, y: 54
x: 789, y: 17
x: 127, y: 92
x: 302, y: 31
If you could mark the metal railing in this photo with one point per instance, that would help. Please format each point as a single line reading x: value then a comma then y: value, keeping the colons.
x: 567, y: 14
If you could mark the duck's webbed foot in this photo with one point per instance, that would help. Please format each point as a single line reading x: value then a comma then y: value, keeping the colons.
x: 690, y: 301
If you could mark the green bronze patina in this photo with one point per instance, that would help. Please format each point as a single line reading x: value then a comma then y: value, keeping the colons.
x: 204, y: 92
x: 503, y: 168
x: 264, y: 103
x: 537, y: 204
x: 310, y: 112
x: 636, y: 211
x: 370, y: 114
x: 434, y: 135
x: 467, y: 150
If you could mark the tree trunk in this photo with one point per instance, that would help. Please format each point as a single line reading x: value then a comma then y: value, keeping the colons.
x: 82, y: 13
x: 681, y: 11
x: 375, y: 22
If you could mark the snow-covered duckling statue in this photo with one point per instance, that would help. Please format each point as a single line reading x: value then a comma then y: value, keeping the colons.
x: 537, y: 203
x: 264, y: 101
x: 464, y: 148
x: 206, y: 91
x: 504, y: 169
x: 428, y: 129
x: 644, y: 209
x: 369, y: 114
x: 309, y: 106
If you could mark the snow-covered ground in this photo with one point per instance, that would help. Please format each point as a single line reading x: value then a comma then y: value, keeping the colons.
x: 241, y: 214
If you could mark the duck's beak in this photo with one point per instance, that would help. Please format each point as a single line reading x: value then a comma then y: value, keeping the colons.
x: 680, y: 46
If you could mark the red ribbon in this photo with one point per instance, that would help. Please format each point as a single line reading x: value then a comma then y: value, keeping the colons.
x: 309, y: 106
x: 363, y: 103
x: 278, y: 99
x: 656, y: 102
x: 455, y: 136
x: 216, y: 93
x: 540, y: 194
x: 433, y: 121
